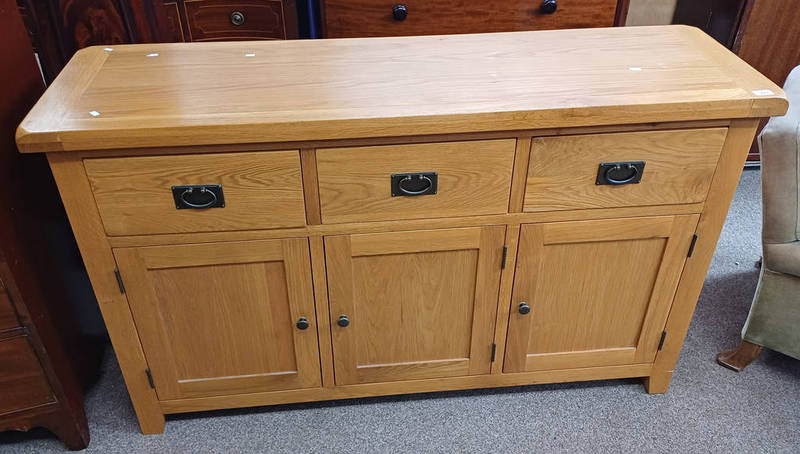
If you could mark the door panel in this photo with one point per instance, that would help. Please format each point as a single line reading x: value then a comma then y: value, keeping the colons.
x: 220, y: 318
x: 599, y: 292
x: 421, y: 304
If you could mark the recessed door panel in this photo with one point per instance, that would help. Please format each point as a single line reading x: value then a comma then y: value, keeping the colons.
x: 222, y: 318
x: 410, y: 305
x: 594, y: 293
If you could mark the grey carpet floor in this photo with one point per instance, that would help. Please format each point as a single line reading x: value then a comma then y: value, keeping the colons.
x: 707, y: 409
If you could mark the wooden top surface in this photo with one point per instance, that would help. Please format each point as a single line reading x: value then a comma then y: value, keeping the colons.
x: 178, y: 94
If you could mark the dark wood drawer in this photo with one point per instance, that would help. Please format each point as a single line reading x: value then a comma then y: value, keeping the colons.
x: 354, y: 18
x: 8, y: 318
x: 22, y: 380
x: 213, y: 20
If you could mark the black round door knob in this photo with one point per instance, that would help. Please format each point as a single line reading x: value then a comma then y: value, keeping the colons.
x: 399, y: 12
x: 524, y: 308
x: 237, y: 18
x: 549, y: 6
x: 302, y: 323
x: 343, y: 321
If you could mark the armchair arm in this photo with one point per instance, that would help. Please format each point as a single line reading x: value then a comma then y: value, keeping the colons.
x: 779, y: 143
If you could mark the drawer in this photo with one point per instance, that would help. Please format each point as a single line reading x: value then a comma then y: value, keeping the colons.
x: 212, y: 20
x: 22, y: 380
x: 8, y: 317
x: 472, y: 178
x: 678, y: 166
x: 358, y: 18
x: 138, y: 195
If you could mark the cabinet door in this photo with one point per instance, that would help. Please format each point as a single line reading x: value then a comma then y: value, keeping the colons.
x: 595, y: 293
x: 420, y: 304
x: 222, y: 318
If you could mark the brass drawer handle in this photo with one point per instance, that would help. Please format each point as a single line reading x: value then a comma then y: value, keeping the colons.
x: 237, y: 18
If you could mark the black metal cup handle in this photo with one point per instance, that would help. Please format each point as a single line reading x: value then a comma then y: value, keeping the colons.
x: 631, y: 178
x: 208, y: 204
x: 419, y: 192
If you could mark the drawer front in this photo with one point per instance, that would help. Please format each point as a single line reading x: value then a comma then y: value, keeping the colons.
x: 8, y: 317
x: 675, y: 167
x: 22, y: 380
x: 211, y: 20
x: 357, y: 18
x: 471, y: 178
x: 138, y: 195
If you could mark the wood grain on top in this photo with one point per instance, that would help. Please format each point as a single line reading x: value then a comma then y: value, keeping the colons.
x: 256, y: 92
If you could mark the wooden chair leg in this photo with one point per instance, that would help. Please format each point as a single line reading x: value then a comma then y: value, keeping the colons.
x: 738, y: 358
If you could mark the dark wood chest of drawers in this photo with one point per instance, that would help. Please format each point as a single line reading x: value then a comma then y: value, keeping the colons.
x: 59, y: 28
x: 42, y: 352
x: 360, y: 18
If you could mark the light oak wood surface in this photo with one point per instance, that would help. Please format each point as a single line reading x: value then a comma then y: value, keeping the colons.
x: 406, y: 387
x: 76, y: 194
x: 421, y: 304
x: 261, y: 190
x: 474, y: 178
x: 354, y: 88
x: 220, y: 318
x: 514, y: 123
x: 678, y: 168
x: 598, y: 291
x: 723, y: 187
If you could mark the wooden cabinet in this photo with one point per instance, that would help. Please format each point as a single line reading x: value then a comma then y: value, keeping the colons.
x: 360, y: 18
x: 224, y: 318
x: 410, y: 305
x: 23, y: 384
x: 594, y: 293
x: 386, y: 217
x: 59, y: 28
x: 215, y: 20
x: 45, y: 358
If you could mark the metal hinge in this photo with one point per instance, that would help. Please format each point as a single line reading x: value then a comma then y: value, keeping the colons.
x: 691, y: 246
x: 119, y: 281
x: 494, y: 351
x: 661, y: 342
x: 505, y: 255
x: 150, y: 378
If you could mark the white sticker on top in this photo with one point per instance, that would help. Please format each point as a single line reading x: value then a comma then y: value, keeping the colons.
x: 763, y: 92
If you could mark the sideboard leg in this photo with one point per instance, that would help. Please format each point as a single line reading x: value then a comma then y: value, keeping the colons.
x: 723, y: 186
x: 87, y: 227
x: 738, y: 358
x: 658, y: 382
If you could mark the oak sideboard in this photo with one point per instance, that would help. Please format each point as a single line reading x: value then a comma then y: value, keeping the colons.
x: 311, y: 220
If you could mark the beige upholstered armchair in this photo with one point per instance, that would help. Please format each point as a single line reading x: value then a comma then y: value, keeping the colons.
x: 774, y: 320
